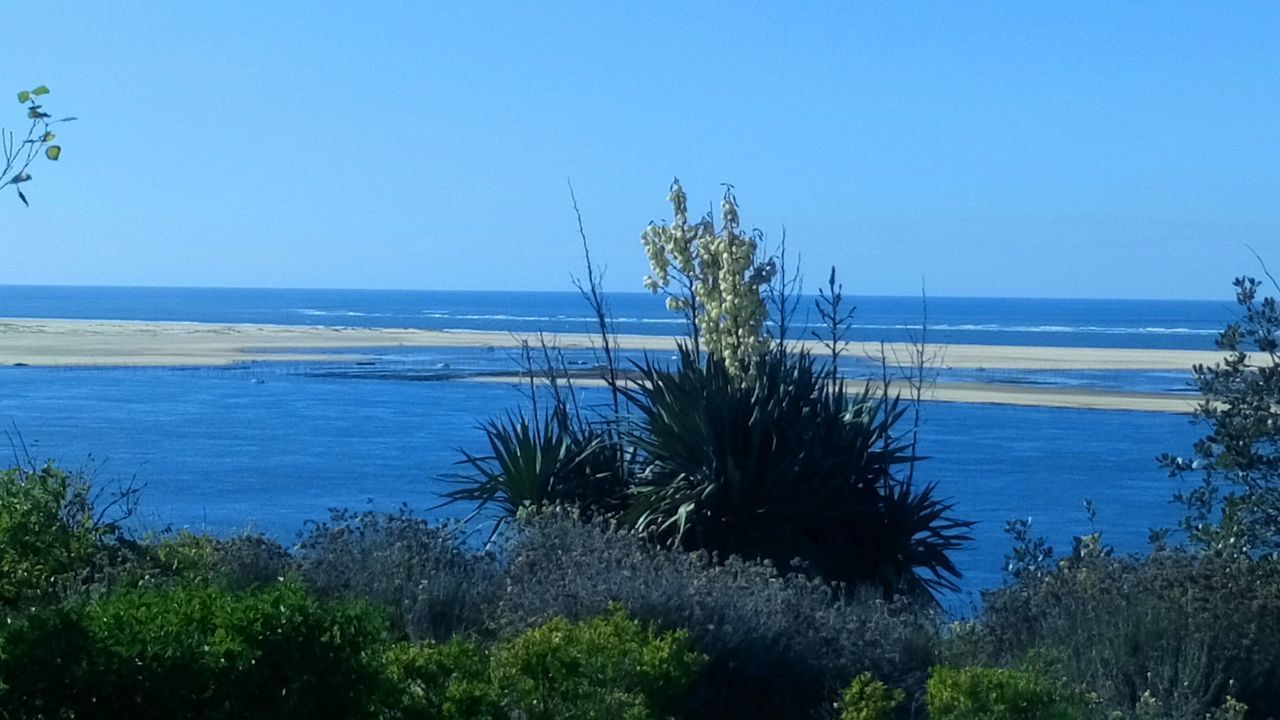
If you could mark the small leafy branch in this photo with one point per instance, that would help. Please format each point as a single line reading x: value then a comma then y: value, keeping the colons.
x: 39, y: 140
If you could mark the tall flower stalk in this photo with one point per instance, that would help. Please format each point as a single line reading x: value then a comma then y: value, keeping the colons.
x: 715, y: 278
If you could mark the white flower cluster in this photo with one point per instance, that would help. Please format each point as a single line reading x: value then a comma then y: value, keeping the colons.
x: 719, y: 279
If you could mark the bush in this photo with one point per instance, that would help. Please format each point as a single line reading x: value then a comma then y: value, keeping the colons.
x: 606, y: 667
x: 193, y: 652
x: 47, y: 532
x: 450, y: 681
x: 989, y: 694
x: 1181, y: 629
x: 1236, y: 505
x: 785, y: 466
x: 239, y: 563
x: 777, y: 647
x: 433, y: 586
x: 869, y: 699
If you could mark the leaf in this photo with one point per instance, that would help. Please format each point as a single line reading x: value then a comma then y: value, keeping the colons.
x: 23, y: 198
x: 24, y: 96
x: 53, y: 151
x: 35, y: 114
x: 47, y: 137
x: 67, y: 119
x: 21, y: 177
x: 42, y: 90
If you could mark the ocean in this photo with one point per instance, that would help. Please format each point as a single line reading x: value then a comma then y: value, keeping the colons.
x: 269, y: 446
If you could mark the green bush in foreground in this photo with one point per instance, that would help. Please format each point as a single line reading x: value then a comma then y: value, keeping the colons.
x: 446, y: 681
x: 47, y: 531
x: 193, y: 652
x: 869, y: 699
x: 991, y: 694
x: 606, y: 667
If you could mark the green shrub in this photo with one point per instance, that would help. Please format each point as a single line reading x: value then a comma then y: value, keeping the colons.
x: 976, y: 693
x: 869, y: 699
x: 606, y: 667
x: 449, y: 681
x: 47, y: 531
x: 1183, y: 628
x: 193, y: 652
x: 777, y: 646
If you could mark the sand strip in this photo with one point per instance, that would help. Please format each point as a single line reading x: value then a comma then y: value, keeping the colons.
x: 996, y: 394
x: 121, y: 343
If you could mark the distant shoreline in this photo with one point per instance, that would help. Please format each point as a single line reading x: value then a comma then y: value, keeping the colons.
x: 113, y: 343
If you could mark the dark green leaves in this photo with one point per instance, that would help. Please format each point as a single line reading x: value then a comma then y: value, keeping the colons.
x: 782, y: 465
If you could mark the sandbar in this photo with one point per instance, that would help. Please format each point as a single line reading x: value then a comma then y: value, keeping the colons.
x: 126, y: 343
x: 113, y: 343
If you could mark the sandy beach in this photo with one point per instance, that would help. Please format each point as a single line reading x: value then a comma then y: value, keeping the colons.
x: 64, y: 343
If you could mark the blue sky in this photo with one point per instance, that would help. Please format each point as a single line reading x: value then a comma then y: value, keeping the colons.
x: 1001, y: 149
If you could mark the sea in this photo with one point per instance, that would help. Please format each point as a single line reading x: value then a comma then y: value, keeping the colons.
x: 268, y: 447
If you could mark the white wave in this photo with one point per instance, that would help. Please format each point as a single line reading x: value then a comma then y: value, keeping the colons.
x: 338, y: 313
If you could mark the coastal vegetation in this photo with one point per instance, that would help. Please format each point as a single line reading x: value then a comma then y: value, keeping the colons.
x: 737, y: 533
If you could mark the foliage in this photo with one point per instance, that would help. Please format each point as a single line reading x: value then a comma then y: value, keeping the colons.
x: 869, y: 699
x: 448, y: 681
x: 606, y: 667
x: 197, y: 651
x: 777, y: 646
x: 539, y: 462
x: 38, y: 141
x: 713, y: 277
x: 48, y: 530
x: 780, y: 466
x: 977, y: 693
x: 1181, y: 629
x: 432, y: 585
x: 1236, y: 505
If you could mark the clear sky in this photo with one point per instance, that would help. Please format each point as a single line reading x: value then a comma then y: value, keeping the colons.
x: 1107, y: 149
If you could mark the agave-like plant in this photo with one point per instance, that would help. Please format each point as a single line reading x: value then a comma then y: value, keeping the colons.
x: 785, y: 465
x: 542, y: 461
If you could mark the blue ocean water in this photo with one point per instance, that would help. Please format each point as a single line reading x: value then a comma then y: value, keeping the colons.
x: 993, y: 321
x: 272, y: 445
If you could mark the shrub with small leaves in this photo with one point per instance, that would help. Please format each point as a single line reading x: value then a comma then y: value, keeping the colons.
x: 992, y: 694
x: 48, y: 531
x: 606, y: 667
x: 448, y: 681
x: 198, y: 651
x: 433, y: 585
x: 869, y: 699
x: 777, y: 646
x: 1185, y: 629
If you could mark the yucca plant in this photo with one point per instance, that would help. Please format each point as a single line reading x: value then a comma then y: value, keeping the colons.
x: 537, y: 461
x: 786, y: 466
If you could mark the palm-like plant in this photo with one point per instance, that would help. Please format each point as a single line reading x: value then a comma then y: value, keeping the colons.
x: 784, y: 465
x: 536, y: 462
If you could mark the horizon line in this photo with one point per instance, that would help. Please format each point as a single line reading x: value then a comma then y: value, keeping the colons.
x: 576, y: 292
